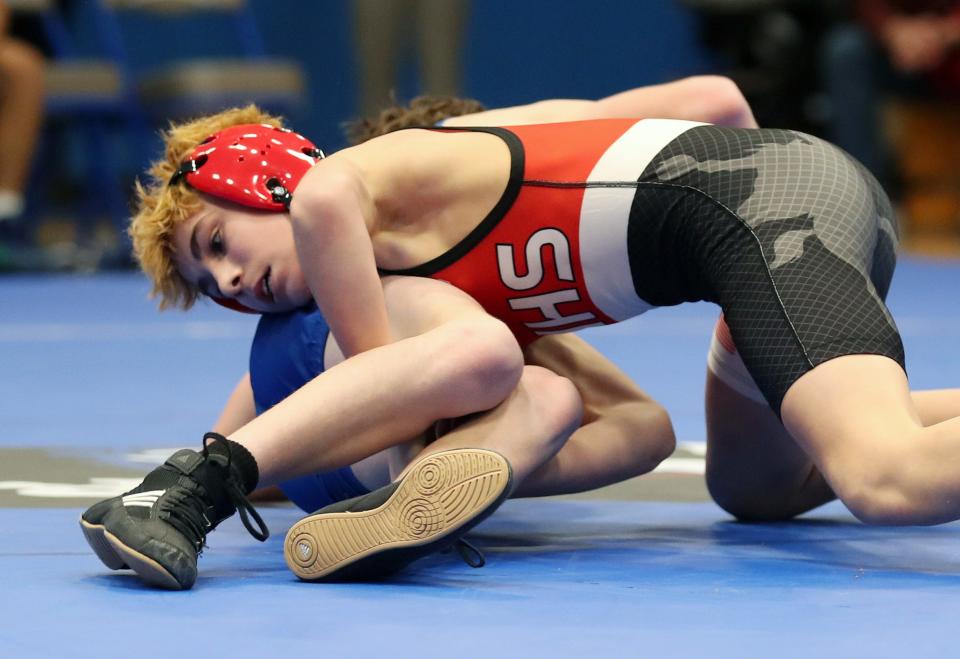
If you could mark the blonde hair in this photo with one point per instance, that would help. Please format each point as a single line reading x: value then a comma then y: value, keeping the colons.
x: 160, y: 207
x: 422, y: 111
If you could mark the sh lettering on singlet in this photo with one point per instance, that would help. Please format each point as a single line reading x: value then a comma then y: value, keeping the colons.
x: 576, y: 312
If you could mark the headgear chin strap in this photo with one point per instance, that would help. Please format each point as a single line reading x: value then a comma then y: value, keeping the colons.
x: 254, y: 165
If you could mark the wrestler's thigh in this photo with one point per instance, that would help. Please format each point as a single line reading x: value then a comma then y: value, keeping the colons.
x: 755, y: 470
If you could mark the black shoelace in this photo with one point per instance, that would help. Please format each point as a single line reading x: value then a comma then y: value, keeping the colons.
x: 470, y: 554
x: 236, y: 493
x: 187, y: 511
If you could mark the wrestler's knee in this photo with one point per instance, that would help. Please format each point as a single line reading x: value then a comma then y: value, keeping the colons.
x: 484, y: 358
x: 877, y: 486
x: 751, y: 505
x: 773, y: 495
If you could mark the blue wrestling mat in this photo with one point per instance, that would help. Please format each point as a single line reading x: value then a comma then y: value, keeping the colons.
x: 96, y: 387
x: 563, y: 579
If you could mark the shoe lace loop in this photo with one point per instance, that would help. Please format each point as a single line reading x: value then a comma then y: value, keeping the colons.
x: 236, y: 494
x: 246, y: 510
x: 186, y: 507
x: 470, y: 554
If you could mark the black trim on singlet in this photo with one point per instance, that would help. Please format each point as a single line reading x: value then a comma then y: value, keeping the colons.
x: 479, y: 232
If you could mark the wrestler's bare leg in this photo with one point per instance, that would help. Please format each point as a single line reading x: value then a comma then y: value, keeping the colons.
x: 528, y: 428
x: 383, y: 397
x: 936, y: 405
x: 538, y: 429
x: 554, y: 445
x: 856, y: 418
x: 755, y: 468
x: 623, y: 432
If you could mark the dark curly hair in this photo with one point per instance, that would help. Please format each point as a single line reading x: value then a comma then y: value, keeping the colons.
x: 422, y: 111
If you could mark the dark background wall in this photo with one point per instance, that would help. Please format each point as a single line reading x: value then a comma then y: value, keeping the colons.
x: 515, y: 51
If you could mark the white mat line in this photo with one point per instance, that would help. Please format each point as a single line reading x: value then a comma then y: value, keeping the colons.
x: 154, y: 456
x: 95, y: 487
x: 691, y: 466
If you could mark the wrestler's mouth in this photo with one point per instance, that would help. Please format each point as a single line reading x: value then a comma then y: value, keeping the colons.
x: 266, y: 287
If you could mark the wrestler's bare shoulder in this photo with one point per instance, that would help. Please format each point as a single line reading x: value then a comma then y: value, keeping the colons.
x: 407, y: 150
x: 441, y: 182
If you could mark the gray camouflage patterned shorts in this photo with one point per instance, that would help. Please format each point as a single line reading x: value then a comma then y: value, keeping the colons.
x: 793, y: 238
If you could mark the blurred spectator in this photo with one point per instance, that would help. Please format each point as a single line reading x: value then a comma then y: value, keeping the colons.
x: 904, y: 47
x: 387, y: 30
x: 766, y: 46
x: 21, y: 107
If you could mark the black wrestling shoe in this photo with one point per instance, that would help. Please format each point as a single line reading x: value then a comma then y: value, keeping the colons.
x: 440, y: 498
x: 160, y: 527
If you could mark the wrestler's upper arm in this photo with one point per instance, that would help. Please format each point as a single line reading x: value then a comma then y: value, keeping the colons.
x: 332, y: 214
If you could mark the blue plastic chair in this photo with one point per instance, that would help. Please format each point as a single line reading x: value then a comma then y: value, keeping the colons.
x: 225, y: 65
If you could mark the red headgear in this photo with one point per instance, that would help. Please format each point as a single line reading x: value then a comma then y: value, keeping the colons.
x: 255, y: 165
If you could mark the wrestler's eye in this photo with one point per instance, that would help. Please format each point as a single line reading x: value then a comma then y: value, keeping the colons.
x: 216, y: 243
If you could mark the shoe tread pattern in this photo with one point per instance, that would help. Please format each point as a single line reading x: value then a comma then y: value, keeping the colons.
x: 440, y: 494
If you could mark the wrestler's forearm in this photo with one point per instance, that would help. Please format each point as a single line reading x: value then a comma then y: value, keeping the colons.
x: 710, y: 99
x: 624, y: 442
x: 624, y: 432
x: 239, y: 408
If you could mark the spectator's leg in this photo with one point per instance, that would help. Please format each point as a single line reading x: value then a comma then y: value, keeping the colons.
x: 378, y: 31
x: 440, y: 35
x: 851, y: 67
x: 21, y: 109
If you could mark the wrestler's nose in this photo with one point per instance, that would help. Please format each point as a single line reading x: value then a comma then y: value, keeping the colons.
x: 230, y: 279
